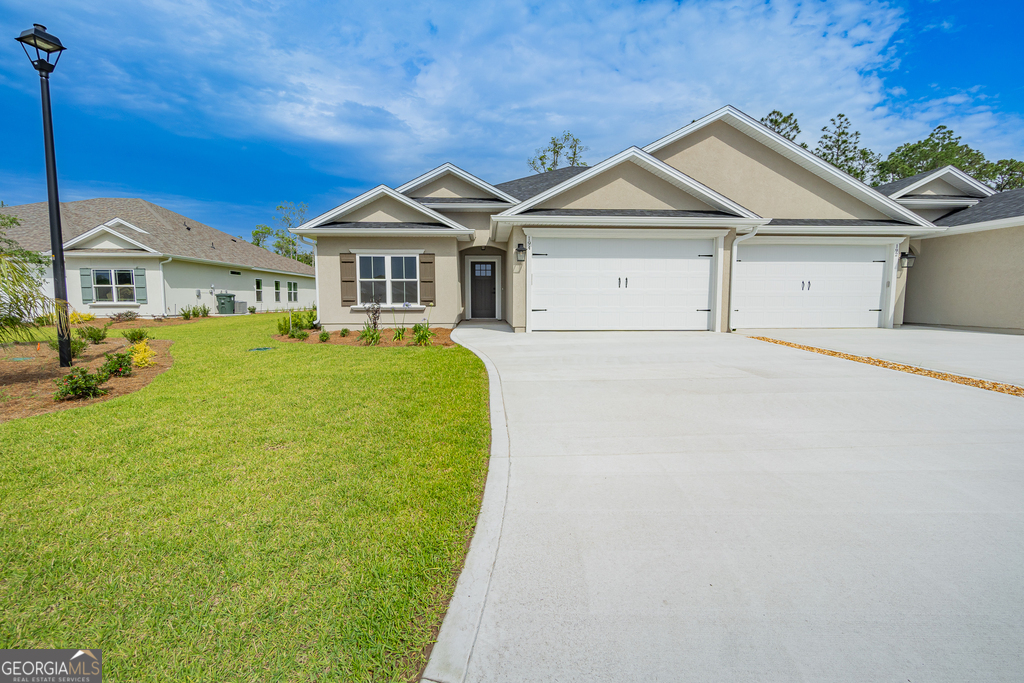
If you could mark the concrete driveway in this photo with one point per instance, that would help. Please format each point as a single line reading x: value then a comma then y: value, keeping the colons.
x: 983, y: 355
x: 707, y: 507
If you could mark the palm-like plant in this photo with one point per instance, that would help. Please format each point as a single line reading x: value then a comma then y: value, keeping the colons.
x: 21, y: 296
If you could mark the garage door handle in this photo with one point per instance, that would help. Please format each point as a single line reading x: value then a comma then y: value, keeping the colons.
x: 703, y: 310
x: 620, y: 283
x: 538, y: 309
x: 627, y: 283
x: 808, y: 285
x: 802, y: 283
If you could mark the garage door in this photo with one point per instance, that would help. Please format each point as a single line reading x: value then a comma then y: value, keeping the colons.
x: 809, y: 286
x: 621, y: 284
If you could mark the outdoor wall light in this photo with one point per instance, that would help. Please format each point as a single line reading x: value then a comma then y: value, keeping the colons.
x: 907, y: 259
x: 521, y: 253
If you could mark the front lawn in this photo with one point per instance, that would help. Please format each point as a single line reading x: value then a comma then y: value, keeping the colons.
x: 294, y: 514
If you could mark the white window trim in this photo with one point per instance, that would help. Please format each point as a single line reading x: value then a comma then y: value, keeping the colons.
x: 114, y: 286
x: 387, y: 254
x: 468, y: 296
x: 277, y: 291
x: 258, y: 290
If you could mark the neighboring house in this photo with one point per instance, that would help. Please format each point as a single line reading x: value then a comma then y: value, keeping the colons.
x: 971, y: 272
x: 132, y: 255
x: 722, y: 224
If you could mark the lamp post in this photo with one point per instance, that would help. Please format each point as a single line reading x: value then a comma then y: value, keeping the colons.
x: 45, y: 46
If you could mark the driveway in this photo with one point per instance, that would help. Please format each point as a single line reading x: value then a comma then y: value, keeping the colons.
x: 707, y: 507
x: 983, y: 355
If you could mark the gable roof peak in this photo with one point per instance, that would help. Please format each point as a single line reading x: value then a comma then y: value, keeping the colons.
x: 449, y: 168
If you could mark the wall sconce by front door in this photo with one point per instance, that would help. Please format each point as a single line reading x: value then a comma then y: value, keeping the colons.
x: 521, y: 253
x: 907, y: 259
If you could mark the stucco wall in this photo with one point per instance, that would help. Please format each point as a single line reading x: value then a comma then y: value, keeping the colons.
x: 974, y: 279
x: 183, y: 278
x: 450, y: 186
x: 627, y: 186
x: 73, y: 264
x: 448, y: 287
x: 939, y: 186
x: 759, y: 178
x: 385, y: 210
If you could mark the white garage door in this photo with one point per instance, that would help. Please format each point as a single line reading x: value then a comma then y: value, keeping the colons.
x: 780, y: 285
x: 621, y: 284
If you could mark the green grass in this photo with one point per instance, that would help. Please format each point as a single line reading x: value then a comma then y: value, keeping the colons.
x: 289, y: 515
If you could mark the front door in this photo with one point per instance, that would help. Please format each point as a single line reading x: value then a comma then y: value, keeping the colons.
x: 483, y: 287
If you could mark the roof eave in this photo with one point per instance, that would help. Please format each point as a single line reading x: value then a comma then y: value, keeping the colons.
x: 501, y: 226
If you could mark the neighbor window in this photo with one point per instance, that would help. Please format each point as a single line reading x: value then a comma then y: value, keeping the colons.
x: 293, y: 291
x: 388, y: 280
x: 259, y: 290
x: 235, y: 272
x: 277, y: 291
x: 108, y: 284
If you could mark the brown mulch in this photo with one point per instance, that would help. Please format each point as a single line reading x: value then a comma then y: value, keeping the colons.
x: 1011, y: 389
x: 27, y: 386
x: 443, y: 338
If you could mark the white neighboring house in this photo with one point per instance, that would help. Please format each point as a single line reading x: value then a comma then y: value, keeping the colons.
x: 132, y: 255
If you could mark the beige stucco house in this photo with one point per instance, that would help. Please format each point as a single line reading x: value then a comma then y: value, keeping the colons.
x: 722, y: 224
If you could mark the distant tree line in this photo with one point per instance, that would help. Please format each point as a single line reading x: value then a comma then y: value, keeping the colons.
x: 279, y: 240
x: 840, y: 145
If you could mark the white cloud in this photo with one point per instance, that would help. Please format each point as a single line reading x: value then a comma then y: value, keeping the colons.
x: 388, y: 91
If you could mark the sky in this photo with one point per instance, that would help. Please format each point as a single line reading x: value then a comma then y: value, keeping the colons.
x: 221, y: 110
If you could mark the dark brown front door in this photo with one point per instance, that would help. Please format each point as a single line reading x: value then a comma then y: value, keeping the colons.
x: 482, y: 288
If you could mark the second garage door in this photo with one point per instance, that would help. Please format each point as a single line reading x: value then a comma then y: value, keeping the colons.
x: 796, y: 285
x: 621, y: 284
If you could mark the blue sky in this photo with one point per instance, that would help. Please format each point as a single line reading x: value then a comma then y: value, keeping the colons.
x: 222, y: 109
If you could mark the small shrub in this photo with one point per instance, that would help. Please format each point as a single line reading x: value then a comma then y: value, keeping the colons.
x: 301, y: 335
x: 203, y: 311
x: 123, y: 316
x: 79, y: 383
x: 78, y: 346
x: 344, y: 332
x: 283, y: 327
x: 252, y: 309
x: 142, y: 354
x: 421, y: 334
x: 135, y: 335
x: 117, y: 365
x: 324, y: 336
x: 187, y: 312
x: 399, y: 334
x: 93, y: 334
x: 47, y: 319
x: 369, y: 336
x: 77, y: 318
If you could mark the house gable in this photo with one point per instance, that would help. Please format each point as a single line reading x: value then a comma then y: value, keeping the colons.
x: 626, y: 186
x: 384, y: 210
x: 758, y: 177
x: 941, y: 187
x: 106, y: 240
x: 451, y: 186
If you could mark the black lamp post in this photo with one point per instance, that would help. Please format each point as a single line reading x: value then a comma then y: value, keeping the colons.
x: 45, y: 46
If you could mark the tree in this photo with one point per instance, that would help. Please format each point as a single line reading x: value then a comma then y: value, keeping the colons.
x: 549, y: 158
x: 783, y: 124
x: 290, y: 215
x: 941, y: 148
x: 21, y: 294
x: 1006, y: 174
x: 841, y: 148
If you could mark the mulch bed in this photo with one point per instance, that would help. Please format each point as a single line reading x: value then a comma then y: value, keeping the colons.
x: 1011, y: 389
x: 27, y: 386
x: 443, y: 338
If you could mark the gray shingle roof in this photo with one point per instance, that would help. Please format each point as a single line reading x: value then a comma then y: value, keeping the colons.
x: 836, y: 222
x: 386, y: 226
x: 531, y: 186
x: 668, y: 213
x: 168, y: 232
x: 1003, y: 205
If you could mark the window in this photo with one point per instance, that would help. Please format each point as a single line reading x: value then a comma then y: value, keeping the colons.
x: 277, y: 291
x: 388, y: 280
x: 259, y: 290
x: 293, y: 291
x: 235, y: 272
x: 107, y: 284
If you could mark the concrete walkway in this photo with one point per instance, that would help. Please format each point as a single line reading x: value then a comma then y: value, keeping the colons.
x: 706, y: 507
x: 983, y: 355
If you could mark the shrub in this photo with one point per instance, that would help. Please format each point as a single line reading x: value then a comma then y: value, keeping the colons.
x: 421, y: 334
x: 123, y: 316
x: 93, y: 334
x: 187, y: 312
x: 324, y: 336
x: 252, y: 309
x: 47, y: 319
x: 79, y: 384
x: 136, y: 334
x: 283, y: 327
x: 399, y: 334
x: 369, y: 336
x: 117, y: 365
x: 77, y: 346
x: 142, y: 354
x: 203, y: 311
x: 76, y: 318
x: 301, y: 335
x: 344, y: 332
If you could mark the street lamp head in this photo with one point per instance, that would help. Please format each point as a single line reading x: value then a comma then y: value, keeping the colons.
x: 44, y: 44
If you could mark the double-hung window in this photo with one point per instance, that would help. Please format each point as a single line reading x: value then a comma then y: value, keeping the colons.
x: 259, y: 290
x: 113, y: 285
x: 277, y: 291
x: 293, y: 291
x: 388, y: 280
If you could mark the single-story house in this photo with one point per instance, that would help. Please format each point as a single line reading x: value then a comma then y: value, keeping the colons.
x: 970, y: 273
x: 722, y: 224
x: 132, y: 255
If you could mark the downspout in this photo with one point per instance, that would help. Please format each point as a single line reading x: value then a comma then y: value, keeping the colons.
x: 163, y: 286
x: 732, y: 269
x: 316, y: 276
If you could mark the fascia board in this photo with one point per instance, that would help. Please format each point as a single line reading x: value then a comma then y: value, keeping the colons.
x: 465, y: 207
x: 243, y: 266
x: 795, y: 153
x: 846, y: 240
x: 998, y: 224
x: 905, y: 231
x: 961, y: 179
x: 647, y: 162
x: 71, y: 253
x: 633, y: 233
x: 448, y: 167
x: 461, y: 234
x: 115, y: 221
x: 105, y: 228
x: 501, y: 226
x: 939, y: 203
x: 366, y: 198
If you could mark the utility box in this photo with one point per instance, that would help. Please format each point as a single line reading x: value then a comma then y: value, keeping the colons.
x: 225, y: 304
x: 241, y: 307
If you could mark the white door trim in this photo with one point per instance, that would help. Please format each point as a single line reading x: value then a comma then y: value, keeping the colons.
x: 496, y: 260
x: 629, y: 233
